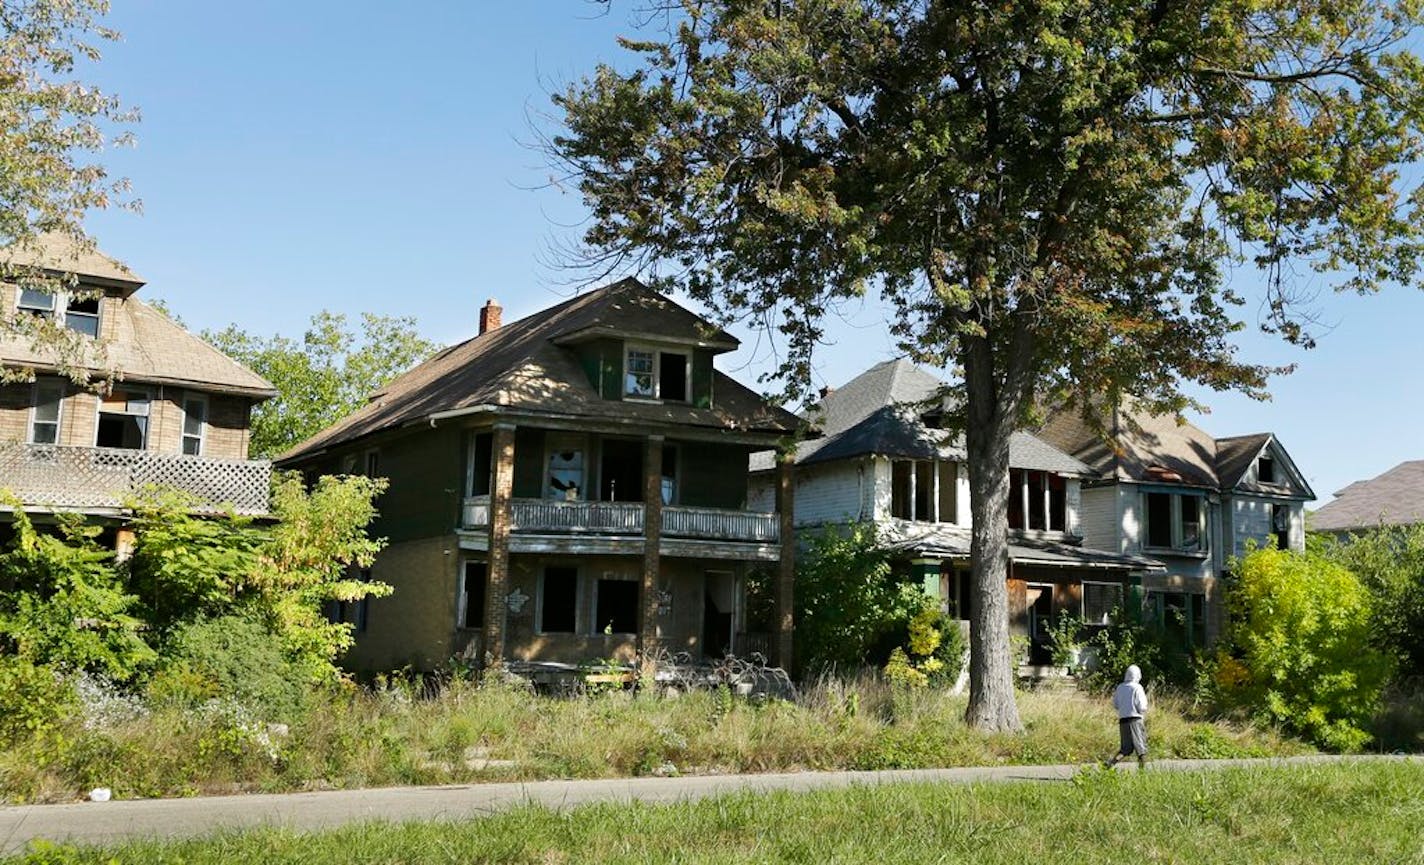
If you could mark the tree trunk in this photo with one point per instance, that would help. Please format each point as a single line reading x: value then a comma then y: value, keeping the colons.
x: 990, y: 422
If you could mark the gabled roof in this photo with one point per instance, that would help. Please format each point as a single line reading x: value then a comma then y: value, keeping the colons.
x: 1234, y: 456
x: 522, y: 367
x: 1237, y: 454
x: 60, y: 254
x: 879, y: 412
x: 1393, y: 498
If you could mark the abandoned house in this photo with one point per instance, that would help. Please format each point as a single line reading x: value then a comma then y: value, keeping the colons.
x: 1170, y: 490
x: 566, y: 487
x: 163, y: 407
x: 884, y: 458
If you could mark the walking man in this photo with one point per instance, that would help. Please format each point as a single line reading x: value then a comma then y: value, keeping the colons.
x: 1131, y: 703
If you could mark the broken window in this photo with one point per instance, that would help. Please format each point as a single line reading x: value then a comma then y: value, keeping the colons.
x: 640, y: 377
x: 672, y: 376
x: 558, y: 601
x: 924, y: 489
x: 1016, y: 502
x: 1037, y: 504
x: 1175, y: 521
x: 565, y: 475
x: 79, y: 314
x: 616, y: 606
x: 82, y: 316
x: 44, y: 420
x: 477, y: 471
x: 620, y: 474
x: 1057, y: 503
x: 901, y: 476
x: 669, y: 476
x: 472, y: 595
x: 195, y: 422
x: 123, y: 420
x: 1280, y: 525
x: 1266, y: 470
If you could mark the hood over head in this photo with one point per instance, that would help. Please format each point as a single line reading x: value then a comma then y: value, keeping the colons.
x: 1133, y: 674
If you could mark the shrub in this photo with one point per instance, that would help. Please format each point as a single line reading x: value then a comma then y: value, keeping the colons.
x: 231, y: 657
x: 32, y: 699
x: 849, y: 604
x: 1389, y: 561
x: 1300, y: 650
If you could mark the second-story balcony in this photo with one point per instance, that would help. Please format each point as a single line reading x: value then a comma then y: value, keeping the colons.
x: 107, y: 479
x: 627, y: 518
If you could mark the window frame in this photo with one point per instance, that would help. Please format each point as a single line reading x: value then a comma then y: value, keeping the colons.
x: 615, y: 577
x: 656, y: 373
x: 59, y: 309
x: 1267, y: 460
x: 189, y: 398
x: 147, y: 416
x: 36, y: 389
x: 1178, y: 532
x: 1083, y: 602
x: 462, y: 601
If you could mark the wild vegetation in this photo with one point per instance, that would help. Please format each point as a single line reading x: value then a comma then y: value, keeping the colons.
x: 398, y: 732
x: 1364, y: 813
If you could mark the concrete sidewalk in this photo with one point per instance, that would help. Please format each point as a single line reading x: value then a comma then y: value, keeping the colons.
x: 110, y: 822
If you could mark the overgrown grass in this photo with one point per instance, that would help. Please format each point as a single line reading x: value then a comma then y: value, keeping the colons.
x: 1367, y: 813
x: 470, y: 733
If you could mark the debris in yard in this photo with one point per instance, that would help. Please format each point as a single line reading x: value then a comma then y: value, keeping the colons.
x: 100, y: 794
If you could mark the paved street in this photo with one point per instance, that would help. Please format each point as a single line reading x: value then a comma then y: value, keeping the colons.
x: 103, y: 823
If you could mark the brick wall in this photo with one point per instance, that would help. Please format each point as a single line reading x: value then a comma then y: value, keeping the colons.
x: 413, y: 625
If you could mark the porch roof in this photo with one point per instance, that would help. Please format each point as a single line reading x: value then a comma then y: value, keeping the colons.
x: 941, y: 541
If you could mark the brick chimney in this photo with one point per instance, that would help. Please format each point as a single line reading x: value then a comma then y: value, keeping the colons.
x: 490, y: 315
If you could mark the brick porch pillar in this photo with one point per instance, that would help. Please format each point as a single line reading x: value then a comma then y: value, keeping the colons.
x: 501, y: 491
x: 786, y: 567
x: 652, y: 545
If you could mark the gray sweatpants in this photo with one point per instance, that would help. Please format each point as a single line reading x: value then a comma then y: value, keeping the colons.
x: 1133, y: 733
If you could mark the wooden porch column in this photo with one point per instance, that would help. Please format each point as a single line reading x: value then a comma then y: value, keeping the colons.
x: 652, y: 546
x: 786, y: 567
x: 501, y: 491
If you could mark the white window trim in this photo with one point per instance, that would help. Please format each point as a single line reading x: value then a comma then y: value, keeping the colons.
x: 539, y: 600
x: 657, y: 354
x: 148, y: 416
x: 1178, y: 536
x: 183, y: 434
x: 60, y: 311
x: 34, y: 408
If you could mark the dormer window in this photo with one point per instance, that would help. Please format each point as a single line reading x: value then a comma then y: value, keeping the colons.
x: 1266, y: 470
x: 651, y: 373
x: 79, y: 314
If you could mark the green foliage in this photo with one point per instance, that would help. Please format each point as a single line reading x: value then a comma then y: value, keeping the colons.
x: 933, y: 653
x: 53, y: 128
x: 323, y: 377
x: 61, y: 604
x: 232, y: 656
x: 848, y: 602
x: 1125, y: 643
x: 32, y: 699
x: 1389, y: 560
x: 1052, y: 204
x: 1065, y: 634
x: 1300, y: 650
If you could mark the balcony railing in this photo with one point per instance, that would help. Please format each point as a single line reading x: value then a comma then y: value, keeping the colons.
x: 715, y: 523
x: 626, y: 518
x: 80, y: 478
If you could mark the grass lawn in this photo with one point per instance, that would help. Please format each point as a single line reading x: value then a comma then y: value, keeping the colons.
x: 1307, y: 814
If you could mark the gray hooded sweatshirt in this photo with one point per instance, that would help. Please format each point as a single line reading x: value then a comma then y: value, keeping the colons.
x: 1129, y: 699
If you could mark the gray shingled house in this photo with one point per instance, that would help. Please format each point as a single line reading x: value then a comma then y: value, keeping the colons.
x: 563, y: 488
x: 164, y: 408
x: 1394, y: 498
x: 1172, y: 491
x: 883, y: 458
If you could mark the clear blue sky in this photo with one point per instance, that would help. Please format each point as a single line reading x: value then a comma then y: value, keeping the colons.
x: 295, y: 157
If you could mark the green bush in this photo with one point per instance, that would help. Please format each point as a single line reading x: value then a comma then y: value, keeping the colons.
x: 851, y: 609
x: 32, y: 698
x: 233, y: 657
x: 1389, y: 561
x: 1300, y: 649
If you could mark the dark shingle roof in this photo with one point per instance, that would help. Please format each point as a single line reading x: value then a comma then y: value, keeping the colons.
x: 1234, y: 456
x: 938, y: 540
x: 1158, y: 449
x: 521, y: 367
x: 879, y: 411
x: 1393, y: 498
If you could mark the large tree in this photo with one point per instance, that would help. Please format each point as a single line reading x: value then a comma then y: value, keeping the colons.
x: 323, y: 377
x: 51, y: 126
x: 1049, y: 194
